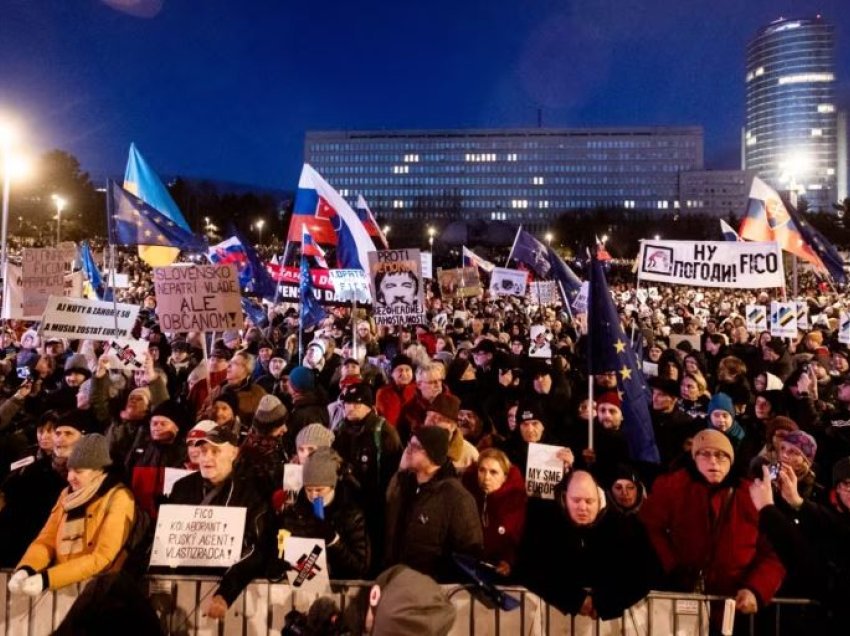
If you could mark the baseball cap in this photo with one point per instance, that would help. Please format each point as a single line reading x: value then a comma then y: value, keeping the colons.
x: 217, y: 436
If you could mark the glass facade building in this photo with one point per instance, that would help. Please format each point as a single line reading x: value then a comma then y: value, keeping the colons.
x: 527, y: 176
x: 791, y: 122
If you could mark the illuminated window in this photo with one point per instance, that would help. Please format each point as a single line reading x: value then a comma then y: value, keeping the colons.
x: 830, y: 171
x: 817, y: 132
x: 826, y: 108
x: 751, y: 140
x: 401, y: 169
x: 519, y: 203
x: 537, y: 180
x: 759, y: 71
x: 805, y: 78
x: 397, y: 203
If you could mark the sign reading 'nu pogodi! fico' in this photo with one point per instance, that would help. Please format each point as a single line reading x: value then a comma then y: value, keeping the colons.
x: 741, y: 265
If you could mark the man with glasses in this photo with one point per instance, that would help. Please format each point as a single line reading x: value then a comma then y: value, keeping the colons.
x: 704, y: 527
x: 429, y: 384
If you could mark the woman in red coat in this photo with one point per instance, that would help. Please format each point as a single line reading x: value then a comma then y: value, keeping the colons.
x: 398, y: 392
x: 704, y: 528
x: 499, y: 492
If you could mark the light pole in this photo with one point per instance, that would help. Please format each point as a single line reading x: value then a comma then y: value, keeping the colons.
x: 260, y: 224
x: 60, y: 205
x: 549, y: 238
x: 10, y: 164
x: 431, y: 233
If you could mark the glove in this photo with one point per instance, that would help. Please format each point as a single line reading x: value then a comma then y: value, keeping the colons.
x: 16, y: 580
x: 33, y: 586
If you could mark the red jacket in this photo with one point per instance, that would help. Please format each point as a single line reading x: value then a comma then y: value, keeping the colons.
x: 390, y: 399
x: 502, y: 514
x: 678, y: 517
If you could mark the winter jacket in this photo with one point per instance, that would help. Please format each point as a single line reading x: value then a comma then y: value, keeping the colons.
x: 307, y: 408
x: 671, y: 431
x: 697, y: 528
x: 247, y: 394
x: 109, y: 517
x: 428, y: 523
x: 147, y: 466
x: 502, y: 515
x: 391, y: 398
x: 348, y: 555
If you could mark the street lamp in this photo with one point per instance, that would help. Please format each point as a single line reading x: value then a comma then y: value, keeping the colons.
x: 386, y: 229
x: 260, y: 223
x: 549, y: 238
x: 60, y: 205
x: 13, y: 166
x: 431, y: 233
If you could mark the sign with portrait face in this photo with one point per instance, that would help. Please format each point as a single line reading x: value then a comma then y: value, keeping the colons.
x: 397, y: 287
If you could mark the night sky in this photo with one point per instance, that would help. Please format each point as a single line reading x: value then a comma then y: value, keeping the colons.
x: 225, y: 89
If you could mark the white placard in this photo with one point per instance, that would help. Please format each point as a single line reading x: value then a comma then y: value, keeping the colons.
x: 803, y: 315
x: 309, y: 558
x: 79, y: 318
x: 543, y: 471
x: 397, y: 288
x: 543, y: 292
x: 198, y: 536
x: 129, y: 353
x: 580, y: 303
x: 172, y: 475
x: 350, y: 285
x: 122, y: 281
x: 508, y: 282
x: 650, y: 369
x: 736, y: 265
x: 427, y: 259
x: 198, y: 298
x: 844, y: 328
x: 540, y: 345
x: 783, y: 319
x: 293, y: 480
x: 756, y: 318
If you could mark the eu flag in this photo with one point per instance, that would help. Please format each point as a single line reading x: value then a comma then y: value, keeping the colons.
x: 531, y: 252
x: 312, y: 312
x: 829, y: 256
x: 253, y: 276
x: 570, y: 283
x: 610, y: 350
x: 134, y: 222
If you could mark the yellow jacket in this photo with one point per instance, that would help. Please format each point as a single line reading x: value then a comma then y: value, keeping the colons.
x: 108, y: 521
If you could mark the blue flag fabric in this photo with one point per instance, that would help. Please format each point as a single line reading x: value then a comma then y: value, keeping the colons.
x: 531, y: 252
x: 312, y: 312
x: 609, y: 350
x: 92, y: 273
x: 255, y: 312
x: 254, y: 277
x: 142, y: 180
x: 561, y: 272
x: 134, y: 222
x: 829, y: 256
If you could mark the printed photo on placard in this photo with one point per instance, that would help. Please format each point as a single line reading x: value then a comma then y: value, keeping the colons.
x: 541, y: 346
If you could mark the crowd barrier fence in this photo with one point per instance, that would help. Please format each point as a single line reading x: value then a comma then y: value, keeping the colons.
x: 261, y: 609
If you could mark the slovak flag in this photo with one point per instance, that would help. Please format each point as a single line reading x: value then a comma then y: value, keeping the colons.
x: 321, y: 208
x: 229, y: 251
x: 368, y: 219
x: 767, y: 219
x: 309, y: 247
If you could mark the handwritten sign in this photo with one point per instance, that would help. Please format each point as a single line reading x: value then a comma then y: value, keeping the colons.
x: 42, y: 276
x: 198, y: 298
x: 543, y: 471
x: 78, y: 318
x: 397, y: 287
x: 129, y: 353
x: 350, y: 285
x: 198, y: 536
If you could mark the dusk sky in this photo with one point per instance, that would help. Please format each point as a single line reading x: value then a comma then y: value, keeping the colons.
x: 225, y: 89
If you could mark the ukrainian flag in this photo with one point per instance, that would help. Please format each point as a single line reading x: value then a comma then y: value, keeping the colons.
x: 141, y: 180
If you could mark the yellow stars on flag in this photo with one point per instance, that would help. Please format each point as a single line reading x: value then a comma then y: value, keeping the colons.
x: 626, y: 373
x: 620, y: 346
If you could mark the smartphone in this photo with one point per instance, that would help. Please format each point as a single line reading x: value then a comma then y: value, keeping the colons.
x: 773, y: 471
x: 24, y: 373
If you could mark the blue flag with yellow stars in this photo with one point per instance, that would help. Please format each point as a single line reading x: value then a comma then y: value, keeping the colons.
x: 134, y: 222
x: 610, y: 350
x: 312, y: 312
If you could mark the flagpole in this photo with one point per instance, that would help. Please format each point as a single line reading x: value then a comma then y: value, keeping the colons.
x: 589, y: 322
x: 109, y: 221
x: 206, y: 360
x: 513, y: 246
x: 354, y: 328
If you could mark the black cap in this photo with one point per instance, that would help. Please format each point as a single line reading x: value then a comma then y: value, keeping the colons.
x: 357, y: 394
x: 665, y: 385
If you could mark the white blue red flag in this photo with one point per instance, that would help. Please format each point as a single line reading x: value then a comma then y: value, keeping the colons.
x: 368, y: 219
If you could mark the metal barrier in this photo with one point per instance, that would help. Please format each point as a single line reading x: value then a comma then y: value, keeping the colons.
x: 261, y: 609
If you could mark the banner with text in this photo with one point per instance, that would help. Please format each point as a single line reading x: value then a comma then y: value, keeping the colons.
x: 288, y: 289
x: 350, y: 285
x: 82, y: 319
x: 198, y: 536
x: 42, y: 276
x: 198, y: 298
x: 737, y: 265
x: 543, y: 470
x: 397, y: 288
x: 13, y: 304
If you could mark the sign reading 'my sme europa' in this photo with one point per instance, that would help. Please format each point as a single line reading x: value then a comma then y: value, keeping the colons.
x: 741, y: 265
x: 198, y: 298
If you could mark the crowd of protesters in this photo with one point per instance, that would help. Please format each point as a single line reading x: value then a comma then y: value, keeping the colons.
x: 416, y: 440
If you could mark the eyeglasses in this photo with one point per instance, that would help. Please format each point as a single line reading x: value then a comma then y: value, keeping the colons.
x: 720, y: 456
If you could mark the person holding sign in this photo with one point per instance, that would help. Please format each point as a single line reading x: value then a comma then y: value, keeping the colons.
x: 86, y: 530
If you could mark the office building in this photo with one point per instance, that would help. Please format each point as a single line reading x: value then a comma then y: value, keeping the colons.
x: 715, y: 192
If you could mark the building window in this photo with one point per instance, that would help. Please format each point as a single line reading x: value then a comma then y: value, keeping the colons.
x: 817, y: 132
x: 805, y: 78
x: 537, y: 180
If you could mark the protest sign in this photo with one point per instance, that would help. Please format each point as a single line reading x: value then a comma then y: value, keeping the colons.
x: 783, y: 319
x: 198, y: 298
x: 641, y: 294
x: 79, y: 318
x: 756, y: 318
x: 462, y: 282
x: 198, y: 536
x: 397, y: 289
x: 171, y: 476
x: 289, y: 285
x: 508, y: 282
x: 122, y: 281
x: 351, y: 285
x: 650, y: 369
x: 293, y: 480
x: 13, y: 304
x: 540, y: 346
x: 310, y: 566
x: 580, y: 303
x: 736, y: 265
x: 129, y: 352
x: 543, y: 292
x: 427, y: 265
x: 844, y: 328
x: 42, y: 276
x: 543, y: 471
x: 802, y: 315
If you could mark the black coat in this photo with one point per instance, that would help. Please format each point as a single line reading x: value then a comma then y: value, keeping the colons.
x: 428, y: 523
x: 348, y: 556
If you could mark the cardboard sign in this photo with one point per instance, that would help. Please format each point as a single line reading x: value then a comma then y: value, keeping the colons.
x: 129, y: 353
x: 350, y: 285
x: 803, y: 315
x: 173, y: 475
x: 543, y: 292
x: 293, y: 481
x: 462, y: 282
x: 736, y: 265
x: 783, y: 319
x: 397, y: 289
x: 756, y: 318
x: 427, y: 265
x: 198, y: 298
x: 508, y: 282
x: 540, y: 346
x: 309, y: 560
x: 42, y: 276
x: 543, y: 471
x: 78, y: 318
x: 844, y: 328
x: 198, y: 536
x: 580, y: 302
x: 13, y: 305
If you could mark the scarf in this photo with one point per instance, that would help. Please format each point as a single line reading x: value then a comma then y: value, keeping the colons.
x: 73, y: 536
x: 735, y: 434
x: 77, y: 498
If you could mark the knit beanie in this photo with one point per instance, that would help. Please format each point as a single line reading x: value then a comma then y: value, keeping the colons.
x: 143, y: 392
x: 803, y: 441
x: 400, y: 360
x: 435, y: 442
x: 76, y: 419
x: 317, y: 435
x: 92, y: 451
x: 173, y: 411
x: 411, y: 603
x: 779, y: 423
x: 229, y: 398
x: 710, y: 438
x: 270, y: 414
x: 322, y: 468
x: 446, y: 405
x: 302, y: 379
x: 841, y: 471
x: 77, y: 363
x: 721, y: 402
x: 609, y: 397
